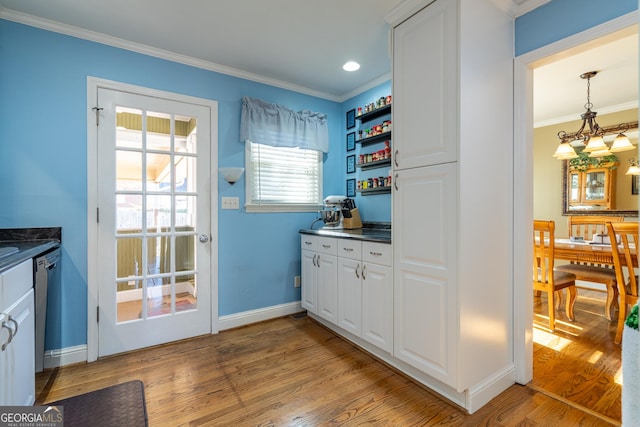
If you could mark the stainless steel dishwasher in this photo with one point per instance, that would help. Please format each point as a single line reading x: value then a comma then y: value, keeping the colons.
x: 46, y: 274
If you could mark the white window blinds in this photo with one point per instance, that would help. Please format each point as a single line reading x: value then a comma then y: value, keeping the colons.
x: 282, y: 179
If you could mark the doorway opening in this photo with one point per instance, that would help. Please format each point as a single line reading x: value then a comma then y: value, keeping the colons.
x: 533, y: 344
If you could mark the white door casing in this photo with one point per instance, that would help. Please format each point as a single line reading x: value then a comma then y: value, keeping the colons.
x: 101, y: 251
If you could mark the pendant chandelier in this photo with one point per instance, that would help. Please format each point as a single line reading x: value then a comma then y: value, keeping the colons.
x: 591, y: 135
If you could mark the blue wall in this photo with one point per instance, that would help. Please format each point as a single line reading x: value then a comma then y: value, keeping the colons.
x: 43, y: 165
x: 559, y: 19
x: 374, y: 208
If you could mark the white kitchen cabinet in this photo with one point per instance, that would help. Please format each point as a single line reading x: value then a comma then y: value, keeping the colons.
x: 309, y: 278
x: 425, y: 87
x: 17, y: 336
x: 425, y: 269
x: 451, y: 215
x: 377, y: 295
x: 350, y: 285
x: 365, y: 291
x: 319, y: 276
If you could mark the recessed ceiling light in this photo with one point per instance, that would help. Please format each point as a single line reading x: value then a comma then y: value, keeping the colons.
x: 351, y: 66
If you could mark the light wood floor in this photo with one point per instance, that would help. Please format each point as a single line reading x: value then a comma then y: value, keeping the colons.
x: 291, y: 371
x: 579, y: 362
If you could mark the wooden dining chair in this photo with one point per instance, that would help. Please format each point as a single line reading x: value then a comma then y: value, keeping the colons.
x: 545, y: 277
x: 586, y: 227
x: 625, y: 261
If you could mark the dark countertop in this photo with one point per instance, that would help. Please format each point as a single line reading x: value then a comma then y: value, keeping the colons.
x: 381, y: 235
x: 30, y: 242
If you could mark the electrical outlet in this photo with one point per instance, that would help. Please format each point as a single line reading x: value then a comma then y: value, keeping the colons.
x: 296, y: 282
x: 230, y: 203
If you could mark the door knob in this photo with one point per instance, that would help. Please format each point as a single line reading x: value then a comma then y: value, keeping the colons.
x: 204, y: 238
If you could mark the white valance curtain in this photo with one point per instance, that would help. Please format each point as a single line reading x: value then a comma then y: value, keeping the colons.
x: 277, y: 126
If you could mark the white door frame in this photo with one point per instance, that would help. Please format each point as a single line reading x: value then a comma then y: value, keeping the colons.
x: 93, y: 84
x: 523, y: 182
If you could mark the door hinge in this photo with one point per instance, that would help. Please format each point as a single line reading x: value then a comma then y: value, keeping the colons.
x: 97, y: 314
x: 97, y: 110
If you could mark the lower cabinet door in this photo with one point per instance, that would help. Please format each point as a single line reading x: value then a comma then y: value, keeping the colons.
x: 17, y: 361
x: 328, y: 287
x: 350, y: 295
x: 377, y: 306
x: 309, y: 283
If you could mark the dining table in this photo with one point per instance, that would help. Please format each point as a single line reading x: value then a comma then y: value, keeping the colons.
x: 590, y: 253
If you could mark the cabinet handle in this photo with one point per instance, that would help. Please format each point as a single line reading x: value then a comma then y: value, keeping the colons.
x: 318, y: 261
x: 4, y: 345
x: 326, y: 246
x: 395, y: 158
x: 347, y: 249
x: 357, y: 268
x: 363, y: 269
x: 395, y: 182
x: 375, y: 253
x: 307, y: 243
x: 11, y: 319
x: 314, y: 260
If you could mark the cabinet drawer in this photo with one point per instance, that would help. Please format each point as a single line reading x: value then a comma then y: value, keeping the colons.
x: 327, y: 245
x: 378, y: 253
x: 350, y: 248
x: 308, y: 242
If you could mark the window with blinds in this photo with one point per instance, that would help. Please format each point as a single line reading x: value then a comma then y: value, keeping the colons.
x: 282, y: 179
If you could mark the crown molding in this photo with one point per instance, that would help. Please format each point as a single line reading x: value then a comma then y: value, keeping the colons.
x: 528, y: 5
x: 573, y: 117
x: 81, y: 33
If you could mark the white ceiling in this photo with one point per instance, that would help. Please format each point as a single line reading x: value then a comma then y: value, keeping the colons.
x: 560, y: 94
x: 302, y: 45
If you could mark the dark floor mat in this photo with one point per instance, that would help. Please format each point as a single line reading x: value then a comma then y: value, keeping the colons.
x: 118, y: 405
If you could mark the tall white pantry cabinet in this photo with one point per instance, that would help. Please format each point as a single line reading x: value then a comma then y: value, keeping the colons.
x: 452, y: 197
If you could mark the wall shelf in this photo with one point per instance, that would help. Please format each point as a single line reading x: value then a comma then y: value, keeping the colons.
x: 373, y: 139
x: 378, y: 112
x: 373, y: 191
x: 374, y: 165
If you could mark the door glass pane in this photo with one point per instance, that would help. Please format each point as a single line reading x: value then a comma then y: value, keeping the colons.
x: 129, y: 283
x: 185, y: 252
x: 158, y: 172
x: 129, y: 300
x: 158, y: 213
x: 186, y: 293
x: 158, y: 297
x: 159, y: 131
x: 159, y: 255
x: 185, y: 174
x: 129, y: 213
x: 128, y: 171
x: 186, y: 212
x: 128, y: 127
x: 186, y: 134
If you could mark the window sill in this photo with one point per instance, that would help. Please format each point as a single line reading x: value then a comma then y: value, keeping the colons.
x: 281, y: 208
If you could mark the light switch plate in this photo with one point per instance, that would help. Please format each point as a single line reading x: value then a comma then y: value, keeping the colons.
x: 230, y: 203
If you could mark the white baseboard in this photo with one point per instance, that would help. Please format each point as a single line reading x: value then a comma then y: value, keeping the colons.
x: 259, y: 315
x: 481, y: 394
x: 78, y: 354
x: 65, y: 356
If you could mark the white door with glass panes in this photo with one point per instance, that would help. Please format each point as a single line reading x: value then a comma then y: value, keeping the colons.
x: 154, y: 227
